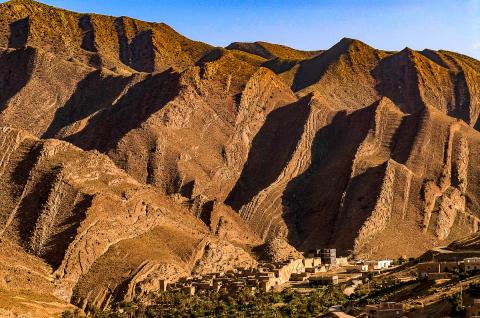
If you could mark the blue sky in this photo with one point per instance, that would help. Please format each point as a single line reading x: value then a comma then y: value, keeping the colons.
x: 391, y: 25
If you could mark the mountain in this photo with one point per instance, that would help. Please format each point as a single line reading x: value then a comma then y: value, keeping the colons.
x: 96, y: 40
x: 131, y: 154
x: 67, y: 213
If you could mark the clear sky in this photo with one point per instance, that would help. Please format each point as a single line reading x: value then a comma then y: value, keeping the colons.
x: 391, y: 25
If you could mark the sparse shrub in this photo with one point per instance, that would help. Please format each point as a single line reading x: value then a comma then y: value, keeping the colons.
x: 457, y: 305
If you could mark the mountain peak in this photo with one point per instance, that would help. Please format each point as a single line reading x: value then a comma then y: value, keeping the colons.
x: 31, y: 3
x: 270, y: 50
x: 346, y: 44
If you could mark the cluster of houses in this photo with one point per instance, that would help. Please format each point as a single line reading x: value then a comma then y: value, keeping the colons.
x: 368, y: 266
x: 267, y: 276
x: 445, y: 269
x: 329, y: 257
x: 433, y: 270
x: 396, y: 310
x: 318, y: 267
x: 264, y: 277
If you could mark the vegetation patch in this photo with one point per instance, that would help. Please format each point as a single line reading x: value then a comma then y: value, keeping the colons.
x: 288, y: 303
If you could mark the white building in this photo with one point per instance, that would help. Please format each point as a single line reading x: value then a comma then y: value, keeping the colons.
x: 471, y: 264
x: 381, y: 264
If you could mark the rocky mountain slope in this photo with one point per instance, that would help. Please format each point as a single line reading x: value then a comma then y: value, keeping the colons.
x: 67, y: 215
x: 125, y: 143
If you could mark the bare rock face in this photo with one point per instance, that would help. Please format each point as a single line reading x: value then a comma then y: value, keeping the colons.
x: 150, y: 276
x: 222, y: 256
x: 123, y: 142
x: 278, y: 249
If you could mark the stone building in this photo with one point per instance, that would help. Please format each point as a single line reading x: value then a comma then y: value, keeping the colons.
x: 341, y: 261
x: 311, y: 262
x: 328, y: 256
x: 357, y: 268
x: 385, y: 310
x: 436, y: 270
x: 264, y: 277
x: 323, y: 280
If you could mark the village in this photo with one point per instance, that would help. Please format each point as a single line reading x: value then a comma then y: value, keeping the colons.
x: 322, y: 267
x: 439, y: 269
x: 317, y: 268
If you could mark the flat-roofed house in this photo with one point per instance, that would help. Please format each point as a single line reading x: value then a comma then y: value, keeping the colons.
x: 323, y: 280
x: 432, y: 269
x: 385, y: 310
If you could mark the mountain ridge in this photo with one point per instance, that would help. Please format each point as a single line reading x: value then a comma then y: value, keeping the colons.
x: 106, y: 119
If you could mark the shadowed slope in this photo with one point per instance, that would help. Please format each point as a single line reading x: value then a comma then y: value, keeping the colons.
x: 143, y: 99
x: 314, y: 197
x: 15, y: 71
x: 97, y: 91
x: 34, y: 85
x: 381, y: 196
x: 271, y: 150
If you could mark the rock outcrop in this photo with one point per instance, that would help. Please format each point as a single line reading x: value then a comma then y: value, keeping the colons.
x: 222, y: 256
x: 278, y: 250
